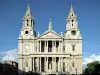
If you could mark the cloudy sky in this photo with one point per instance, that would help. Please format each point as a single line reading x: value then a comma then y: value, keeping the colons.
x: 12, y: 11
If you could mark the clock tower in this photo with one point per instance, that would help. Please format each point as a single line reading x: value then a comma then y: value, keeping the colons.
x: 26, y: 41
x: 73, y: 40
x: 72, y: 30
x: 27, y: 30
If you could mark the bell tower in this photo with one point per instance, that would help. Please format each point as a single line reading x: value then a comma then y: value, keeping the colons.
x: 27, y: 30
x: 74, y: 41
x: 72, y: 20
x: 72, y: 29
x: 26, y: 41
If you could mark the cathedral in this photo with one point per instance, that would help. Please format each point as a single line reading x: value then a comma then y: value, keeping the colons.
x: 50, y: 53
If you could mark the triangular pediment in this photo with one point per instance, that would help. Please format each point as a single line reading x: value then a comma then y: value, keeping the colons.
x: 50, y: 35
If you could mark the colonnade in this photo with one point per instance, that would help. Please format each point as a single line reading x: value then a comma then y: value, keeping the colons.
x: 55, y: 65
x: 56, y: 46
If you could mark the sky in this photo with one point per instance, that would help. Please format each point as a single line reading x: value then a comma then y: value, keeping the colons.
x: 12, y: 12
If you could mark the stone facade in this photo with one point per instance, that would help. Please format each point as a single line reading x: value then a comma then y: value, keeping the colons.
x: 50, y: 53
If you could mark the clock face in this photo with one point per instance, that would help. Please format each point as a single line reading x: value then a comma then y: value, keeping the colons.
x: 73, y: 32
x: 26, y: 32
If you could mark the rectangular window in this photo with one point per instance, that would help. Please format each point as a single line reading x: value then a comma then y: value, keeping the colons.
x: 63, y: 48
x: 73, y: 47
x: 63, y: 64
x: 63, y: 69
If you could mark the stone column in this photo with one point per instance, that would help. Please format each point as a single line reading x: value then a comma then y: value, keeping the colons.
x: 61, y: 47
x: 47, y: 46
x: 55, y: 47
x: 40, y: 46
x: 66, y: 65
x: 55, y: 64
x: 37, y: 46
x: 52, y: 63
x: 30, y: 63
x: 45, y: 64
x: 61, y: 65
x: 33, y: 64
x: 40, y: 64
x: 33, y: 49
x: 20, y: 65
x: 52, y: 45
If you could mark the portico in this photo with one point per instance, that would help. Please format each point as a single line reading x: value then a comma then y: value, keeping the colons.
x: 49, y: 64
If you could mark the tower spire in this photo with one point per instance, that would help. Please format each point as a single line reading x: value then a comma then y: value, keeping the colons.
x: 72, y: 20
x: 71, y: 9
x: 28, y: 12
x: 50, y: 25
x: 28, y: 21
x: 72, y: 13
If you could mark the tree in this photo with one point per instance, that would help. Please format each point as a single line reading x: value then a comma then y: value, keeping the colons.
x: 92, y: 68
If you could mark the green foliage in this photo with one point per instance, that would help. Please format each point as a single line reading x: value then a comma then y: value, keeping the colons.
x: 92, y: 65
x: 92, y: 68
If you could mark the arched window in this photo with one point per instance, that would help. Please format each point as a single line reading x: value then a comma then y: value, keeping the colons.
x: 68, y: 21
x: 72, y: 20
x: 73, y: 64
x: 26, y: 64
x: 31, y: 22
x: 27, y: 22
x: 27, y: 14
x: 64, y: 48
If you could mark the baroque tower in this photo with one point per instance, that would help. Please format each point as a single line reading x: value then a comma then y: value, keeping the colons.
x: 73, y: 42
x: 26, y: 41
